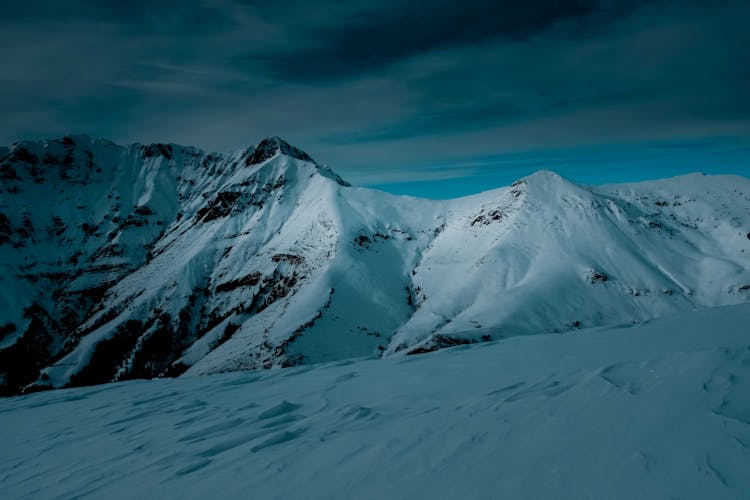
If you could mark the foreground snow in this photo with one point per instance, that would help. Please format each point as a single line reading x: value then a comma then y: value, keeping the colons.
x: 660, y: 410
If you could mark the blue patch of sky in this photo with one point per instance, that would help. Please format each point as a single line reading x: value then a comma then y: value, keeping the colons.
x: 586, y: 165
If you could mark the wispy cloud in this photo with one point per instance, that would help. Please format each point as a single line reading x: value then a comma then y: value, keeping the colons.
x: 390, y: 85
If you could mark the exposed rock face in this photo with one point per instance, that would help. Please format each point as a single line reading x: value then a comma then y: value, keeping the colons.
x: 152, y: 260
x: 268, y: 148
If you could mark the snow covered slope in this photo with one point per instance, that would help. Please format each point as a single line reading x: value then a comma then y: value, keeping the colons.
x: 659, y: 410
x: 151, y: 260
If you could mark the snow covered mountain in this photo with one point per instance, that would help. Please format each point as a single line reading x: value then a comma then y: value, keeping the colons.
x: 156, y: 260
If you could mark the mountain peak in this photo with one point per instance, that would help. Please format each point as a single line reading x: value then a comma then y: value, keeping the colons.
x: 271, y: 146
x: 547, y: 182
x: 544, y: 176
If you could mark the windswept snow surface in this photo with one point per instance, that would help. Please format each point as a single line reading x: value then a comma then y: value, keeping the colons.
x: 659, y: 410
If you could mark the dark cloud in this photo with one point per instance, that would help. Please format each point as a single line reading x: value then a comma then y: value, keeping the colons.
x: 469, y: 116
x: 674, y: 73
x: 387, y: 32
x: 365, y: 85
x: 132, y: 17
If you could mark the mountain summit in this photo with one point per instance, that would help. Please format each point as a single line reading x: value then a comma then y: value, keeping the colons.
x: 140, y: 261
x: 270, y: 147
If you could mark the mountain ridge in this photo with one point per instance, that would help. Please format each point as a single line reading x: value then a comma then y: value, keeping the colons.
x: 154, y: 260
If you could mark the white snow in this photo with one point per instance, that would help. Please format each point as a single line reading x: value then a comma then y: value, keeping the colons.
x: 332, y: 271
x: 658, y: 410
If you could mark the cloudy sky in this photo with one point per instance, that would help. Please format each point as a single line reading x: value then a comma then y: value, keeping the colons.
x: 432, y: 98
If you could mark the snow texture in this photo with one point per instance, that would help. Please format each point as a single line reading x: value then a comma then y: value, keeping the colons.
x: 658, y: 410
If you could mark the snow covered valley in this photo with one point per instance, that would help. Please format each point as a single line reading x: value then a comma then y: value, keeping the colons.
x: 656, y: 410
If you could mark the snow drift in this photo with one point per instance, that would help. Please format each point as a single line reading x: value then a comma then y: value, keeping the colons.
x: 659, y: 410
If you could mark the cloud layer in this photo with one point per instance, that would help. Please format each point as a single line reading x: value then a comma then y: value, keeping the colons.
x: 371, y: 86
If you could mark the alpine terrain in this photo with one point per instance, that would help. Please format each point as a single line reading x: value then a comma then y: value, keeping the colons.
x: 141, y: 261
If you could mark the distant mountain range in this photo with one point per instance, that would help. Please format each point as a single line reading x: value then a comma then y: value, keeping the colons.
x: 140, y: 261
